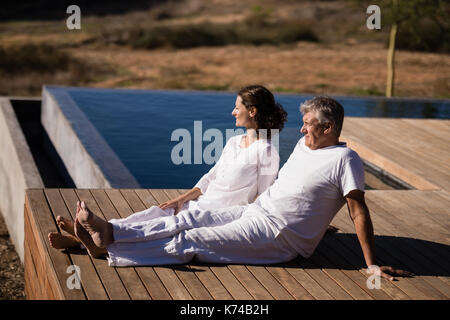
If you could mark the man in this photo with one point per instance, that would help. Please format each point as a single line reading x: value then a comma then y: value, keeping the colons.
x: 288, y: 219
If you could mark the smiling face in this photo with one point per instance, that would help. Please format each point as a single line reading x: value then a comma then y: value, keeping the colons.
x: 244, y: 117
x: 316, y: 135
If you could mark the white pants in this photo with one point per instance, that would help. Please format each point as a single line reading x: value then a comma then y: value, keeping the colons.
x: 145, y: 215
x: 238, y: 234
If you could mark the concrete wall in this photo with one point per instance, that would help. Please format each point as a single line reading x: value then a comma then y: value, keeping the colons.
x: 89, y: 160
x: 18, y: 172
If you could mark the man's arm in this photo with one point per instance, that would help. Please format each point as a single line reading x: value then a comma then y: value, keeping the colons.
x: 359, y: 213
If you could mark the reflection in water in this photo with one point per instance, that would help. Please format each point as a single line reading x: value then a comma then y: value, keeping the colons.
x: 397, y: 108
x: 429, y: 110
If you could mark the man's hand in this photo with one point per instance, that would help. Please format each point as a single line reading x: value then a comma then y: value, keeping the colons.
x: 176, y: 203
x: 388, y: 272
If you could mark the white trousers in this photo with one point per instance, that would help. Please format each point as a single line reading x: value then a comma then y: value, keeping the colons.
x: 238, y: 234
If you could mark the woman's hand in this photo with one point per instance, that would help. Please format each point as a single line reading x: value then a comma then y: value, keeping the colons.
x: 176, y: 203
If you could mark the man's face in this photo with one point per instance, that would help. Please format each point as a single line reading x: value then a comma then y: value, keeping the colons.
x: 313, y: 131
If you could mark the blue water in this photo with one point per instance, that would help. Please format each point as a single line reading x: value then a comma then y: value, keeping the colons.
x: 138, y: 124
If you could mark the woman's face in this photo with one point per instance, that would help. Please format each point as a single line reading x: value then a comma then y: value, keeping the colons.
x: 244, y: 117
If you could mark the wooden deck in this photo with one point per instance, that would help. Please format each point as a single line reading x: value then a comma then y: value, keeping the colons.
x: 411, y: 227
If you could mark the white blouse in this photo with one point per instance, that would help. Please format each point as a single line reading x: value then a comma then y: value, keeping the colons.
x: 240, y: 175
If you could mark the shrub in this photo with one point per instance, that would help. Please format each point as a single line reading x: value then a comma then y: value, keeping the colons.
x: 208, y: 34
x: 426, y: 36
x: 31, y: 57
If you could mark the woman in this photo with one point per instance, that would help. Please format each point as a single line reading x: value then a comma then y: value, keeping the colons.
x: 248, y: 165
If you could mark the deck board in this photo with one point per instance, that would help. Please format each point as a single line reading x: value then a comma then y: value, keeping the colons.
x: 411, y: 232
x: 400, y: 146
x: 333, y: 272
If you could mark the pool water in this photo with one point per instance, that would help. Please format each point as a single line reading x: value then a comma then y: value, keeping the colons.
x: 138, y: 124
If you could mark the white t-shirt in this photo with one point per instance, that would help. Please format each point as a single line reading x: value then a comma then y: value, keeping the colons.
x: 239, y: 176
x: 309, y: 191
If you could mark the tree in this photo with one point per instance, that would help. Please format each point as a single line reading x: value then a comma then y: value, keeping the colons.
x: 419, y: 24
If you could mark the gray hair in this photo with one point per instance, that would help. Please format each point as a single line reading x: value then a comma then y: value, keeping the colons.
x: 327, y: 111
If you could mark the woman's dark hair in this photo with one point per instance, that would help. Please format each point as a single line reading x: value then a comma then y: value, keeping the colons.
x: 270, y: 114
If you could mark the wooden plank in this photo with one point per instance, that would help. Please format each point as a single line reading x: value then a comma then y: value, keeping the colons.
x: 436, y: 129
x: 431, y: 147
x: 405, y: 144
x: 192, y: 283
x: 392, y: 147
x: 32, y: 267
x: 109, y: 277
x: 90, y: 280
x: 210, y: 281
x: 130, y: 278
x: 367, y: 145
x: 333, y: 288
x: 159, y: 195
x: 428, y: 249
x: 229, y: 281
x: 346, y: 282
x: 289, y: 283
x: 383, y: 258
x: 433, y: 206
x: 172, y: 283
x: 146, y: 197
x: 270, y: 283
x: 262, y: 276
x: 408, y: 213
x: 398, y: 227
x: 55, y: 264
x: 153, y: 284
x: 308, y: 282
x: 58, y: 208
x: 342, y: 255
x: 387, y: 254
x: 148, y: 276
x: 250, y: 283
x: 171, y: 193
x: 336, y: 261
x: 29, y: 274
x: 38, y: 249
x: 418, y: 258
x: 189, y: 279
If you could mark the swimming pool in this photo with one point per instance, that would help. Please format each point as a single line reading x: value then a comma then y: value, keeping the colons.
x: 138, y: 124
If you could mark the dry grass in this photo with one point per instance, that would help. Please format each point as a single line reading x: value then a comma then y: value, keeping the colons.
x: 358, y: 69
x: 348, y: 60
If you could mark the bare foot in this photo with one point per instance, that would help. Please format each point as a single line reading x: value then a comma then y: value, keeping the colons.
x: 86, y: 240
x: 60, y: 241
x: 65, y: 224
x: 101, y: 231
